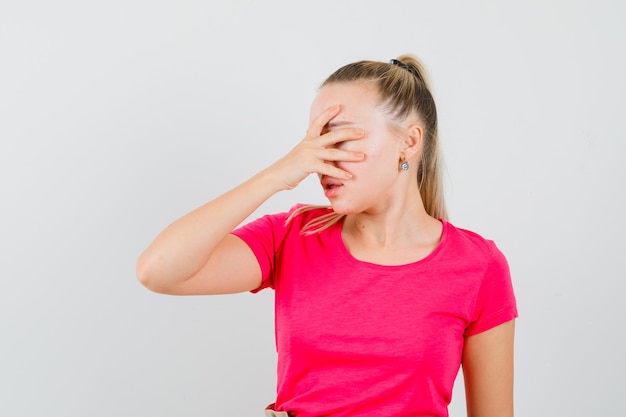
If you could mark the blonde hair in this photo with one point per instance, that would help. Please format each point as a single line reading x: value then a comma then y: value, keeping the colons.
x: 404, y: 89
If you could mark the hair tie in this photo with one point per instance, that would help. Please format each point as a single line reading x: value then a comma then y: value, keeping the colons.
x: 400, y: 64
x: 406, y: 67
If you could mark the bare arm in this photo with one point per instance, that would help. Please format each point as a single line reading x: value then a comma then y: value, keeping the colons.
x: 197, y: 254
x: 488, y: 372
x: 192, y: 254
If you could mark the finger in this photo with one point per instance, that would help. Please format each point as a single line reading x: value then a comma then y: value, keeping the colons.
x: 341, y: 135
x: 332, y: 171
x: 337, y: 155
x: 317, y: 125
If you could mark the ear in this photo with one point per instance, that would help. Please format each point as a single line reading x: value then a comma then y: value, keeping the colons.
x: 412, y: 142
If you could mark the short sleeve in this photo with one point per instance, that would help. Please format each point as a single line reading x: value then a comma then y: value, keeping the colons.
x: 264, y: 236
x: 495, y: 301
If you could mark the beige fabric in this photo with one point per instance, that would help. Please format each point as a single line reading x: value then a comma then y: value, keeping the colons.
x: 269, y: 412
x: 272, y: 413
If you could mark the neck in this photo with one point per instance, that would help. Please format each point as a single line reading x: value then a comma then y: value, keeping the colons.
x: 402, y: 224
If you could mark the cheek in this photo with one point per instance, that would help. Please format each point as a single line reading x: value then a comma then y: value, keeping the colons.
x: 381, y: 157
x: 369, y: 172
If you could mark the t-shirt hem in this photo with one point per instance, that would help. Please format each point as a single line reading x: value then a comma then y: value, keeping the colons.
x: 496, y: 319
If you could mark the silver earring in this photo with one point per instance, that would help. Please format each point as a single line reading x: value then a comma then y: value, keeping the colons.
x: 404, y: 166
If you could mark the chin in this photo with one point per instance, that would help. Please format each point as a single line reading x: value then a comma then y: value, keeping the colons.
x: 344, y: 209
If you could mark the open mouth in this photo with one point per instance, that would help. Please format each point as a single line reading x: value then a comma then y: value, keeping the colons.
x: 329, y: 184
x: 331, y: 187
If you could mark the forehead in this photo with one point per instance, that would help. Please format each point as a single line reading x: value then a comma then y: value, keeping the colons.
x: 356, y: 100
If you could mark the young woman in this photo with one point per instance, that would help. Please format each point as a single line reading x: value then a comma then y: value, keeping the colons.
x: 379, y: 299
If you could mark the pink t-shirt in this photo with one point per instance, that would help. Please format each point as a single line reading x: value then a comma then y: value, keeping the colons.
x: 361, y: 339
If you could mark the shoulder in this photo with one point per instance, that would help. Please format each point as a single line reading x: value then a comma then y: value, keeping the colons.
x: 471, y: 244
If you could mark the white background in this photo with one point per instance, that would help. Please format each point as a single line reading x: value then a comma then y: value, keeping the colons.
x: 117, y: 117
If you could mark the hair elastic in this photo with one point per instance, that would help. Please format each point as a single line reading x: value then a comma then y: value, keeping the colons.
x: 406, y: 67
x: 400, y: 64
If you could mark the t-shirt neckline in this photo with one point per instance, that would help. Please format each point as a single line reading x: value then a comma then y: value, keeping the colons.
x: 336, y: 235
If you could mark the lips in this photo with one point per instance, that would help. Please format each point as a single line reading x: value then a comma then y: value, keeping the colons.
x: 331, y: 186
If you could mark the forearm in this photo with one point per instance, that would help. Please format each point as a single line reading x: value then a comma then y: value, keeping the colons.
x: 182, y: 248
